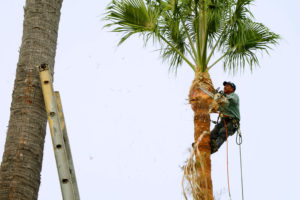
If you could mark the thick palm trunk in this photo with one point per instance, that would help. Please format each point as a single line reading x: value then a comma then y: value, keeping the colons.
x: 201, y: 104
x: 22, y: 159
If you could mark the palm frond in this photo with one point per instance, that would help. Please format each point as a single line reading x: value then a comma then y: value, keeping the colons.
x: 131, y: 17
x: 243, y: 44
x: 216, y: 19
x: 189, y: 28
x: 237, y: 13
x: 171, y: 28
x: 242, y: 11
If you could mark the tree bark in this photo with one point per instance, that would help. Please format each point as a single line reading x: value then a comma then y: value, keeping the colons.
x: 23, y: 154
x: 201, y: 104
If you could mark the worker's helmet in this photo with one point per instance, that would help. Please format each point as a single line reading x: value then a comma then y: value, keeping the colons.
x: 230, y: 83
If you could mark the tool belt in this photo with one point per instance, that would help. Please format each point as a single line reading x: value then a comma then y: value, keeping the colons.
x: 235, y: 121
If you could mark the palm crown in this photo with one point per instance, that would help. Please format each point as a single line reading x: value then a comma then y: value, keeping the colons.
x: 193, y: 30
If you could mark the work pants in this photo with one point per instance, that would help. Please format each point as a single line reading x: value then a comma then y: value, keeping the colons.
x: 218, y: 134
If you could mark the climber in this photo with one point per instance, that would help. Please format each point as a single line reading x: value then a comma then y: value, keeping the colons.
x: 230, y: 117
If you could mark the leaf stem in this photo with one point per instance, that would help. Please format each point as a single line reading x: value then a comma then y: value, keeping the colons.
x: 204, y: 35
x: 182, y: 56
x: 190, y: 40
x: 215, y: 46
x: 216, y: 61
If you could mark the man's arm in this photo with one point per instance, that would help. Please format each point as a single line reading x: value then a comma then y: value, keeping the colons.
x: 233, y: 98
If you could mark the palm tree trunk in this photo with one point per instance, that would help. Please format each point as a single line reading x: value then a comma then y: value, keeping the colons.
x: 201, y: 104
x: 23, y: 154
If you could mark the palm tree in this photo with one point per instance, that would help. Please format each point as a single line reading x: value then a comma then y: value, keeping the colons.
x: 23, y: 154
x: 195, y: 31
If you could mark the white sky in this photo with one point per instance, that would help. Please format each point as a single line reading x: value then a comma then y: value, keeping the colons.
x: 128, y: 119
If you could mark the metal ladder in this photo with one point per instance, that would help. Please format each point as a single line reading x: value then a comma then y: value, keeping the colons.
x: 60, y: 140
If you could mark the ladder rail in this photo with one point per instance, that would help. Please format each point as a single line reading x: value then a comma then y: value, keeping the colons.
x: 64, y: 168
x: 67, y: 144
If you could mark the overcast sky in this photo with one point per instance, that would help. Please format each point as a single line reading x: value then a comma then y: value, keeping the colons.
x: 129, y: 121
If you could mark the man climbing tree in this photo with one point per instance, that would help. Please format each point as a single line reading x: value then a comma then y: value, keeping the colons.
x: 230, y: 117
x: 192, y: 31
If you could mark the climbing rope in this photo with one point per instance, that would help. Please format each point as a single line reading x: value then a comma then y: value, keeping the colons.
x: 239, y: 141
x: 227, y: 159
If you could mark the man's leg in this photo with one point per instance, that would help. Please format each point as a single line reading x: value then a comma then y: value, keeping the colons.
x: 222, y: 137
x: 222, y: 133
x: 214, y: 135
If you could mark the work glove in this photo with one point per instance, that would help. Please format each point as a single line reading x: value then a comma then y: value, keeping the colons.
x: 217, y: 96
x: 222, y: 101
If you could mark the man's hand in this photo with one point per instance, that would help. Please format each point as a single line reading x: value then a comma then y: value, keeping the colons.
x: 222, y: 101
x: 219, y: 101
x: 217, y: 96
x: 220, y: 97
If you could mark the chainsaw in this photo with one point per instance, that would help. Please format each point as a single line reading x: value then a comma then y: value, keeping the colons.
x: 218, y: 94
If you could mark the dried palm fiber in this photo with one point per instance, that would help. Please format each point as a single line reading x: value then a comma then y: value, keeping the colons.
x: 191, y: 174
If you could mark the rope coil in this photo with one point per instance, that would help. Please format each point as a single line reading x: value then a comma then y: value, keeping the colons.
x: 239, y: 138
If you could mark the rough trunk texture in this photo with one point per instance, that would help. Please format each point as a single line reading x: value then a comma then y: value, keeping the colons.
x: 201, y: 104
x: 22, y: 159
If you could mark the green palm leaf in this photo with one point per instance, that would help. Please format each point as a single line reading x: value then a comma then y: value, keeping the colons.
x: 217, y: 18
x: 244, y: 42
x: 187, y: 29
x: 174, y: 33
x: 132, y: 16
